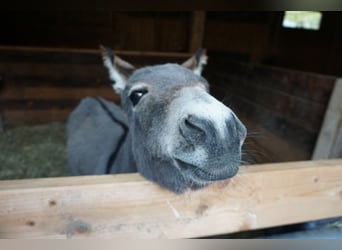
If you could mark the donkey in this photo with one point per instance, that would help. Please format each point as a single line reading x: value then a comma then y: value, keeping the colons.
x: 175, y: 133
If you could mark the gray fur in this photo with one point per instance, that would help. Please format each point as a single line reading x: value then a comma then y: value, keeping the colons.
x: 93, y: 136
x: 177, y: 150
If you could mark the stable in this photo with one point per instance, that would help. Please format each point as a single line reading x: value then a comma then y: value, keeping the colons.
x: 288, y: 101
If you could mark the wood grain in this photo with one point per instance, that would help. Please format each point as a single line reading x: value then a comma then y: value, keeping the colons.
x: 329, y: 142
x: 41, y: 85
x: 286, y: 103
x: 56, y: 93
x: 129, y: 206
x: 197, y: 30
x: 13, y: 118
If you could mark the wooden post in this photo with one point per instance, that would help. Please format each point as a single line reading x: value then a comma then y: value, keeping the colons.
x: 197, y: 30
x: 127, y: 205
x: 329, y: 142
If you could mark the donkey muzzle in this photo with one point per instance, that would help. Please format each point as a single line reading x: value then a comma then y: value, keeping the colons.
x: 199, y: 130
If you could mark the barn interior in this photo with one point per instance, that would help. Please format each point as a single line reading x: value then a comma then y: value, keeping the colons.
x: 279, y: 80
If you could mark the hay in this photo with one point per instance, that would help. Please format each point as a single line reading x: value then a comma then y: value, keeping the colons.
x: 32, y: 152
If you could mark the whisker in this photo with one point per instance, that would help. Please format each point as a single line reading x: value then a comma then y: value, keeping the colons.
x: 246, y: 151
x: 245, y: 163
x: 254, y: 135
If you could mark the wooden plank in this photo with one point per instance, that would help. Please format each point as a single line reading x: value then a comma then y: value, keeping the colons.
x: 310, y: 86
x: 275, y: 123
x: 297, y: 110
x: 329, y: 142
x: 173, y: 28
x: 132, y: 6
x: 38, y: 105
x: 92, y: 51
x: 56, y: 93
x: 264, y: 146
x: 32, y: 117
x: 129, y: 206
x: 197, y: 30
x: 75, y: 67
x: 59, y: 74
x: 40, y: 66
x: 272, y: 137
x: 232, y: 36
x: 287, y: 105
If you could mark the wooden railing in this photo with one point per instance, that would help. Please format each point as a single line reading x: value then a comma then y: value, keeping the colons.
x: 127, y: 205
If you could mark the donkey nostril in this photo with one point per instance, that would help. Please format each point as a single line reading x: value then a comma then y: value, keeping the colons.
x: 191, y: 129
x: 193, y: 124
x: 190, y: 125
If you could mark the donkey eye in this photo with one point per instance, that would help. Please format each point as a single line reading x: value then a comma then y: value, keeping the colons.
x: 136, y: 95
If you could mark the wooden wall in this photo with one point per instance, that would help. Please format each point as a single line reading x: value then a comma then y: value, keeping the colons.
x: 256, y: 37
x: 44, y: 85
x: 146, y: 31
x: 283, y: 108
x: 243, y: 34
x: 315, y: 51
x: 284, y: 105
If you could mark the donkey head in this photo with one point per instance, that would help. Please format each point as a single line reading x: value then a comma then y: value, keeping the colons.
x: 182, y: 137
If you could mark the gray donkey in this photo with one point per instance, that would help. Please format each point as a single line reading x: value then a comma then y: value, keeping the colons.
x: 170, y: 129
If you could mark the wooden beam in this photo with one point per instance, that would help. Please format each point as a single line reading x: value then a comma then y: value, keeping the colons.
x: 197, y: 30
x: 57, y: 93
x: 13, y: 118
x: 53, y: 103
x: 147, y: 5
x: 129, y: 206
x: 329, y: 142
x: 94, y: 51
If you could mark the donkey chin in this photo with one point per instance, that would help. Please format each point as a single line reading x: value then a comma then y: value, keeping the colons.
x: 200, y: 176
x: 204, y: 164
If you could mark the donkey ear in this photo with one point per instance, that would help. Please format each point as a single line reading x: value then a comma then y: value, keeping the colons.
x: 197, y: 61
x: 119, y: 70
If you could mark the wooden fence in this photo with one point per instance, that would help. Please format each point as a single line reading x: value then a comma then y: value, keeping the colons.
x: 129, y: 206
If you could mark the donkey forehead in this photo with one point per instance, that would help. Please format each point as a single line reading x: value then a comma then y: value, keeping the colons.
x: 166, y: 75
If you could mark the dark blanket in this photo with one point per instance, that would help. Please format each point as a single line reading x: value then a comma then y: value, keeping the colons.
x: 98, y: 140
